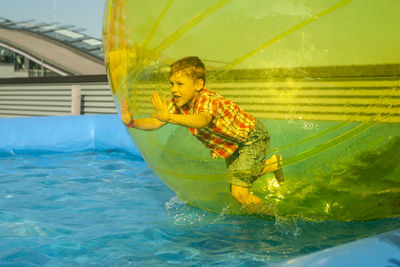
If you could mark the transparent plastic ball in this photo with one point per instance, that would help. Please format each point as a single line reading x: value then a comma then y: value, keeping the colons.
x: 322, y: 76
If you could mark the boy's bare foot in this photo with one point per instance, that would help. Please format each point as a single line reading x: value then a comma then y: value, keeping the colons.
x: 251, y: 204
x: 243, y: 196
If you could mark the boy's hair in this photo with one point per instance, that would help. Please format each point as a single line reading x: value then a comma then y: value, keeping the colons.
x: 192, y: 66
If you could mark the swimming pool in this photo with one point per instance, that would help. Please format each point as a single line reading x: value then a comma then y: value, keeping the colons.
x: 71, y: 195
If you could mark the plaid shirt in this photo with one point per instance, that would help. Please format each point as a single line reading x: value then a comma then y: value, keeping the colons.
x: 228, y: 129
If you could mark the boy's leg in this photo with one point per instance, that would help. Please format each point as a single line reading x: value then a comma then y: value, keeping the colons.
x: 273, y: 164
x: 240, y: 181
x: 241, y: 176
x: 270, y: 164
x: 243, y: 168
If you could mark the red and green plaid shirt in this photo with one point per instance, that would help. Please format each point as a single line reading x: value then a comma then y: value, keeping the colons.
x: 228, y: 129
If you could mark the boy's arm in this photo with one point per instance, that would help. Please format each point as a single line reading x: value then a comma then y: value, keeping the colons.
x: 199, y: 120
x: 147, y: 124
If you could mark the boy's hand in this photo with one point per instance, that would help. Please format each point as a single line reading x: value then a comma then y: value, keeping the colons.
x: 126, y: 115
x: 161, y: 106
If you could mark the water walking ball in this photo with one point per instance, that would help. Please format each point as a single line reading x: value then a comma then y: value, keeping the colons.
x: 322, y: 76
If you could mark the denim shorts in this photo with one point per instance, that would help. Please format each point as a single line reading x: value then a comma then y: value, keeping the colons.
x: 243, y: 167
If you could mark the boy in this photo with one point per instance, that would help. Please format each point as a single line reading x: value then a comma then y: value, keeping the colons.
x: 222, y: 126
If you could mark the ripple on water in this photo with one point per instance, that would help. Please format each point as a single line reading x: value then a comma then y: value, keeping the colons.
x: 109, y: 209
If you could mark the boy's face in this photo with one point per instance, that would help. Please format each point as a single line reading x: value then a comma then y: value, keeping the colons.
x: 184, y: 88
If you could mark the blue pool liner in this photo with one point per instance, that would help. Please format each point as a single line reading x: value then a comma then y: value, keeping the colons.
x: 106, y: 132
x: 65, y: 134
x: 380, y: 250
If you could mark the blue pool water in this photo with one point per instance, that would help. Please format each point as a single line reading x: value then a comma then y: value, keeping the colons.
x: 109, y: 209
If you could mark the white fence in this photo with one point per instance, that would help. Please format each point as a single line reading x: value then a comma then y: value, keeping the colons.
x: 355, y: 99
x: 54, y: 96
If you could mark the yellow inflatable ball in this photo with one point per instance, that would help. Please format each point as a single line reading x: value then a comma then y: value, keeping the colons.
x: 321, y: 76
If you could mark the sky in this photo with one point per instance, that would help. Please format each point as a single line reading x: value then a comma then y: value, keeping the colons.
x: 86, y: 14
